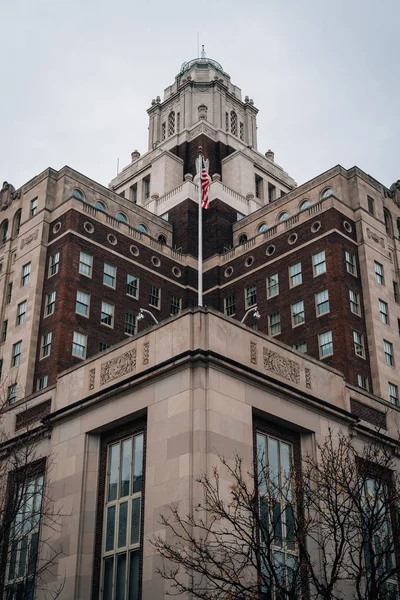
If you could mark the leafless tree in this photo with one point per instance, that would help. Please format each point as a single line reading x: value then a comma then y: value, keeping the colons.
x: 326, y: 529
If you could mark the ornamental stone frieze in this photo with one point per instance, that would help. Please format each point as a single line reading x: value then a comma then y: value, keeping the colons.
x: 279, y: 365
x: 118, y: 366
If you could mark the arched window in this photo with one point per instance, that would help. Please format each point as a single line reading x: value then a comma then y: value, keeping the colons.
x: 122, y: 217
x: 233, y: 123
x: 388, y: 221
x: 283, y: 217
x: 17, y: 222
x: 100, y: 206
x: 326, y: 193
x: 242, y: 239
x: 162, y: 239
x: 4, y: 231
x: 398, y: 228
x: 171, y: 123
x: 142, y: 228
x: 303, y: 205
x: 262, y: 227
x: 77, y: 194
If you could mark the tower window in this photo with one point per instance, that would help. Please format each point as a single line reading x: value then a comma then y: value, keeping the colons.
x: 171, y: 123
x: 241, y: 131
x: 259, y: 186
x: 146, y: 187
x: 163, y: 131
x: 233, y: 123
x: 226, y: 122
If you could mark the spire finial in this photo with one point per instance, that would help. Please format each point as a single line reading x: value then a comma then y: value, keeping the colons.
x: 203, y: 53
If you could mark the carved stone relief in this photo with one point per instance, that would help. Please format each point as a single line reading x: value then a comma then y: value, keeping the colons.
x: 146, y: 352
x: 373, y: 236
x: 92, y: 375
x: 29, y: 239
x: 253, y: 353
x: 308, y: 378
x: 116, y: 367
x: 284, y: 367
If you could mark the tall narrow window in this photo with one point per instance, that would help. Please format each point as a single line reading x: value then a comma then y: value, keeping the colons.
x: 79, y: 345
x: 233, y: 123
x: 319, y: 263
x: 241, y: 131
x: 107, y: 314
x: 251, y: 295
x: 130, y: 324
x: 273, y: 285
x: 109, y: 275
x: 134, y: 193
x: 17, y: 222
x: 226, y: 122
x: 46, y: 344
x: 42, y: 382
x: 384, y: 312
x: 34, y: 206
x: 295, y: 275
x: 132, y: 284
x: 85, y: 264
x: 178, y: 122
x: 354, y: 302
x: 54, y: 263
x: 4, y: 331
x: 358, y: 340
x: 176, y: 305
x: 4, y: 231
x: 371, y: 207
x: 26, y: 274
x: 274, y: 322
x: 322, y: 302
x: 16, y: 354
x: 50, y: 303
x: 12, y: 393
x: 122, y: 516
x: 146, y: 187
x: 163, y: 131
x: 9, y: 292
x: 21, y: 312
x: 325, y: 344
x: 82, y: 303
x: 350, y: 261
x: 171, y: 123
x: 298, y: 316
x: 230, y: 305
x: 379, y: 273
x: 388, y: 352
x: 258, y: 183
x: 396, y: 291
x: 393, y: 393
x: 154, y: 296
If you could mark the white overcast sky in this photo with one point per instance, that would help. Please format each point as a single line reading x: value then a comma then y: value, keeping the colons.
x: 78, y: 75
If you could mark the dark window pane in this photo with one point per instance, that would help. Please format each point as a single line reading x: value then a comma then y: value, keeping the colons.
x: 134, y: 576
x: 122, y: 525
x: 110, y: 528
x: 113, y: 472
x: 33, y: 553
x: 125, y: 467
x: 138, y: 464
x: 135, y: 522
x: 108, y: 578
x: 121, y: 575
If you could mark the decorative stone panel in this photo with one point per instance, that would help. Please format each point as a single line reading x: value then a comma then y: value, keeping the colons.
x: 118, y: 366
x: 279, y: 365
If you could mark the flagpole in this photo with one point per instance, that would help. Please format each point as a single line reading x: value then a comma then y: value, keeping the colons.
x: 200, y: 248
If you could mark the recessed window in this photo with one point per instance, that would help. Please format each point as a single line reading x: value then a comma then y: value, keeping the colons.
x: 26, y: 274
x: 250, y: 295
x: 258, y: 186
x: 100, y: 206
x: 112, y: 239
x: 388, y: 351
x: 262, y: 228
x: 12, y: 393
x: 396, y: 291
x: 103, y: 346
x: 77, y: 194
x: 130, y: 324
x: 230, y: 305
x: 301, y: 347
x: 142, y: 228
x: 304, y: 205
x: 350, y: 261
x: 156, y: 261
x: 4, y: 231
x: 162, y: 240
x: 82, y: 303
x: 175, y: 305
x: 325, y: 344
x: 42, y: 382
x: 79, y: 345
x: 270, y: 250
x: 379, y: 273
x: 89, y: 227
x: 362, y: 382
x: 85, y: 264
x: 154, y: 296
x: 107, y: 314
x: 16, y: 354
x: 384, y: 312
x: 326, y: 193
x: 273, y: 285
x: 371, y: 205
x: 283, y: 217
x: 46, y: 344
x: 9, y: 292
x: 388, y: 221
x: 21, y: 312
x: 322, y: 302
x: 146, y: 187
x: 354, y: 302
x: 319, y: 263
x: 274, y: 322
x: 132, y: 285
x: 393, y: 393
x: 4, y: 331
x: 133, y: 193
x: 358, y: 340
x: 242, y: 239
x: 121, y: 217
x: 54, y: 264
x: 298, y: 316
x: 17, y: 222
x: 34, y: 207
x: 109, y: 275
x: 271, y: 192
x: 249, y: 261
x: 295, y: 275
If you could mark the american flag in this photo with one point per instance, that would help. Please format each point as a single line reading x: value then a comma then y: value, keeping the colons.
x: 205, y: 184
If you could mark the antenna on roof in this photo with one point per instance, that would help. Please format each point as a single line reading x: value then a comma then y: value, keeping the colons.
x: 203, y: 54
x: 117, y: 166
x: 198, y: 45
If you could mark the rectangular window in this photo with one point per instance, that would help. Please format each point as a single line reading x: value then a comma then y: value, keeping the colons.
x: 9, y: 292
x: 301, y: 347
x: 46, y: 344
x: 50, y: 303
x: 130, y: 324
x: 82, y: 303
x: 109, y: 275
x: 26, y: 274
x: 154, y: 296
x: 393, y: 393
x: 250, y: 295
x: 271, y: 192
x: 354, y: 302
x: 176, y: 305
x: 388, y: 351
x: 358, y: 340
x: 396, y: 291
x: 132, y: 285
x: 379, y: 273
x: 273, y: 285
x: 371, y: 207
x: 16, y: 354
x: 21, y: 312
x: 362, y: 382
x: 325, y: 344
x: 134, y: 193
x: 85, y: 264
x: 230, y: 305
x: 54, y: 264
x: 12, y: 393
x: 107, y: 314
x: 322, y: 302
x: 319, y: 263
x: 298, y: 313
x: 122, y: 516
x: 350, y: 260
x: 384, y: 312
x: 34, y: 205
x: 4, y: 331
x: 103, y: 346
x: 79, y: 345
x: 23, y: 544
x: 258, y: 184
x: 42, y: 382
x: 274, y: 323
x: 295, y: 275
x: 146, y: 187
